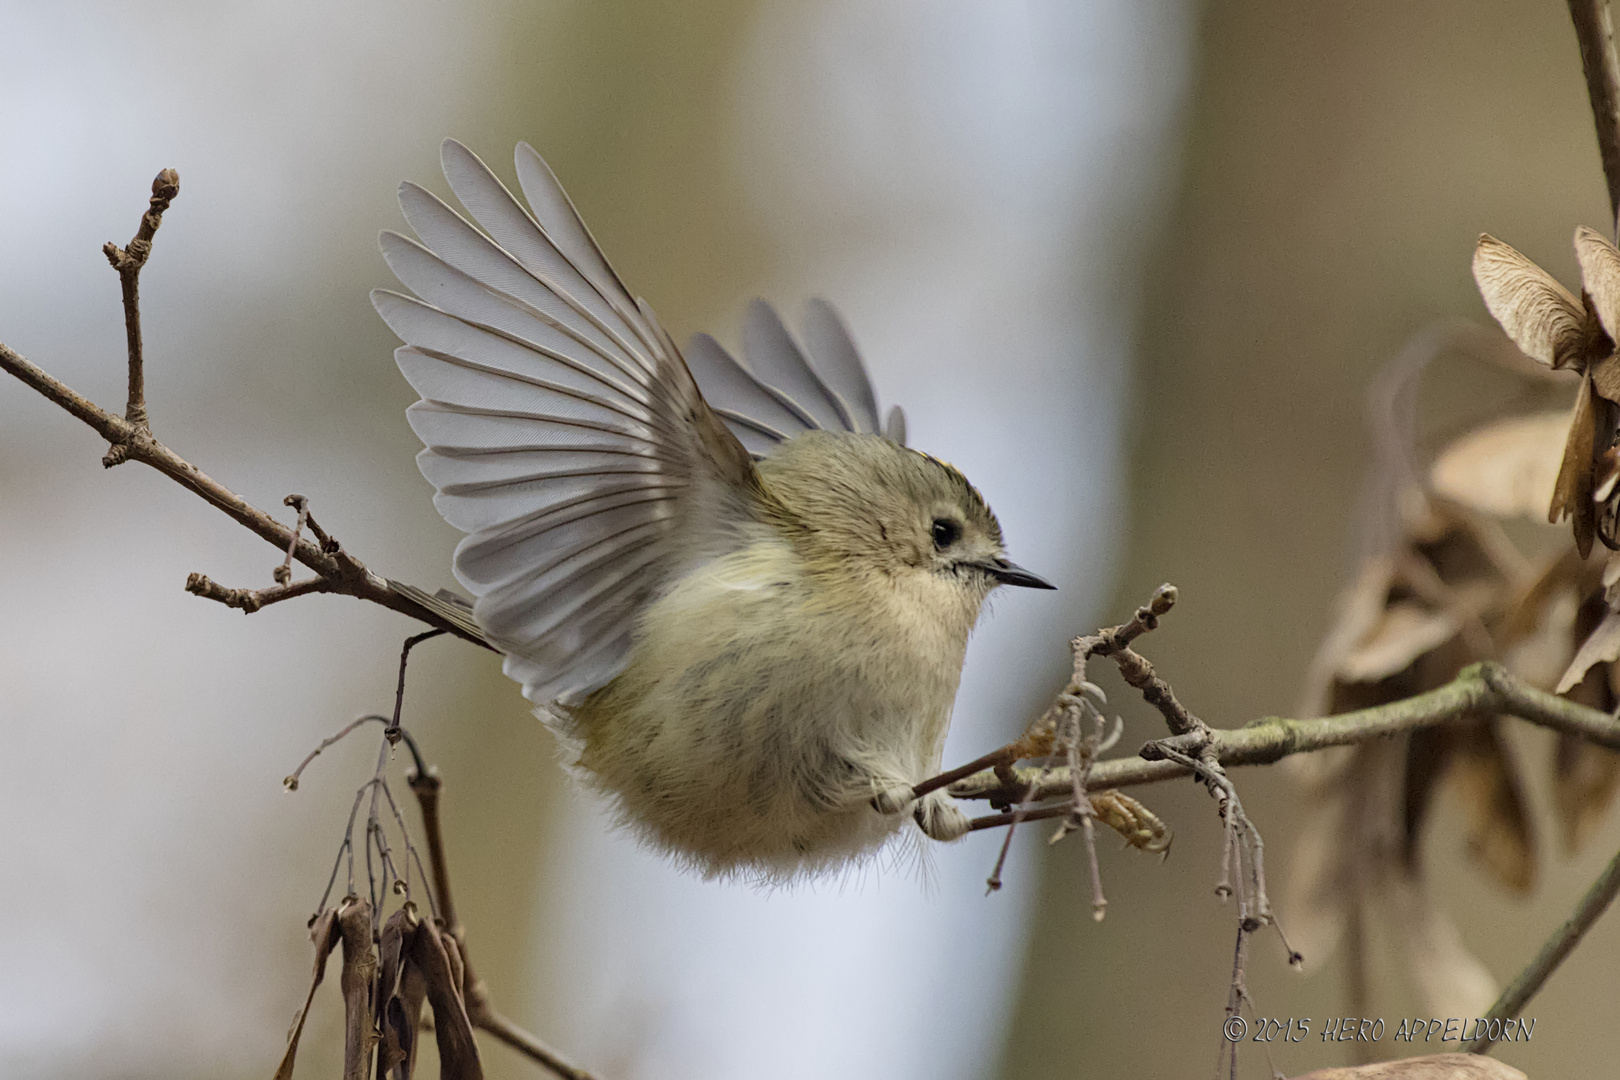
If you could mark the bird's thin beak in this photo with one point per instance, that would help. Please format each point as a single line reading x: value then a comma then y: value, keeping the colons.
x: 1008, y: 573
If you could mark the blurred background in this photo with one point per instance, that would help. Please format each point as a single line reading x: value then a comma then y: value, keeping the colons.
x: 1130, y: 264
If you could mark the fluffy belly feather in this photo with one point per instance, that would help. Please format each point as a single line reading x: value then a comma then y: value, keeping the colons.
x: 758, y: 718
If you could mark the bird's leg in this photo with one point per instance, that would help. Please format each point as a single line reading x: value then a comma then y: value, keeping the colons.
x: 893, y: 798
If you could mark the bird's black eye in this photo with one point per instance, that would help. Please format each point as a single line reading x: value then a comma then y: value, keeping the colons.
x: 946, y: 533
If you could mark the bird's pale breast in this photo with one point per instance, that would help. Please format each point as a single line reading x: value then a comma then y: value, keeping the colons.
x: 762, y: 709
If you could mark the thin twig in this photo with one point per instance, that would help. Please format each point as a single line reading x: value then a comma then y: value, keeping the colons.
x: 1018, y: 815
x: 283, y: 573
x: 1594, y: 28
x: 251, y: 600
x: 1080, y: 769
x: 480, y: 1010
x: 1114, y: 643
x: 392, y: 732
x: 1235, y: 995
x: 1553, y: 952
x: 343, y: 573
x: 291, y: 782
x: 128, y: 262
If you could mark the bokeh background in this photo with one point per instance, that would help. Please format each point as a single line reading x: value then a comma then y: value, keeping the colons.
x: 1129, y: 263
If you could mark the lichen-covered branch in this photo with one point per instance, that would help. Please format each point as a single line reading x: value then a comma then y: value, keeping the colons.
x: 1485, y: 687
x: 1557, y: 947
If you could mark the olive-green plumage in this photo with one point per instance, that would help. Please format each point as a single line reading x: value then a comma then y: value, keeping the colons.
x: 743, y: 608
x: 772, y: 696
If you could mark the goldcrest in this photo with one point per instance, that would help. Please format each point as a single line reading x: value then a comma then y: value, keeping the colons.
x: 743, y: 607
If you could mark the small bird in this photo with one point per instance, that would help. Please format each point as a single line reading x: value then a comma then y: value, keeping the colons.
x: 744, y: 608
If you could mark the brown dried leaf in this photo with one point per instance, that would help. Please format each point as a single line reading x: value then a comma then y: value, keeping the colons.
x: 1584, y: 778
x: 358, y: 981
x: 412, y: 993
x: 1358, y: 609
x: 1450, y: 979
x: 1602, y: 645
x: 1140, y: 827
x: 1485, y: 776
x: 395, y: 1023
x: 1507, y: 468
x: 458, y: 1051
x: 1606, y: 376
x: 1429, y: 1067
x: 1406, y: 632
x: 325, y: 936
x: 1572, y: 494
x: 1600, y: 275
x: 1540, y: 315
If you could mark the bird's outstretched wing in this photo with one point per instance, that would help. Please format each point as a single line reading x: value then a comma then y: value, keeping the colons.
x: 564, y: 433
x: 780, y: 392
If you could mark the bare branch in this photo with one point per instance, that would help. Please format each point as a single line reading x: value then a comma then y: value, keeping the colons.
x: 251, y: 600
x: 1594, y: 27
x: 128, y: 262
x: 343, y: 573
x: 130, y: 438
x: 1553, y: 952
x: 1115, y: 643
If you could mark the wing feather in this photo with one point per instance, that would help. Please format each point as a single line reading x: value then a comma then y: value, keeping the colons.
x: 779, y: 392
x: 555, y: 213
x: 775, y: 359
x: 562, y: 429
x: 455, y: 240
x: 836, y: 360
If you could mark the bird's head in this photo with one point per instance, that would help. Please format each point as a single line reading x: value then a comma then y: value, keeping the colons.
x: 870, y: 507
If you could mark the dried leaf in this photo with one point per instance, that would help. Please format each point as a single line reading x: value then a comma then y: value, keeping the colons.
x: 1507, y: 468
x: 1406, y: 632
x: 1542, y: 654
x: 1572, y: 494
x: 1602, y: 645
x: 1600, y: 275
x: 1428, y: 1067
x: 358, y: 980
x: 324, y: 934
x: 1606, y: 376
x: 1140, y: 827
x: 1585, y: 776
x: 1451, y: 980
x: 1611, y: 578
x: 1540, y: 315
x: 458, y: 1051
x: 1485, y: 775
x: 395, y: 1023
x: 1358, y: 609
x: 412, y: 994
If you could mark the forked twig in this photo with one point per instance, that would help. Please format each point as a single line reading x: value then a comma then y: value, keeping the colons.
x: 130, y: 438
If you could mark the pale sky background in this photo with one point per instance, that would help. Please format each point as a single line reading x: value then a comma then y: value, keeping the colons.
x: 967, y: 182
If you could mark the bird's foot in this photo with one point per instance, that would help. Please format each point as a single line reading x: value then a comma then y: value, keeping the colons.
x: 939, y: 817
